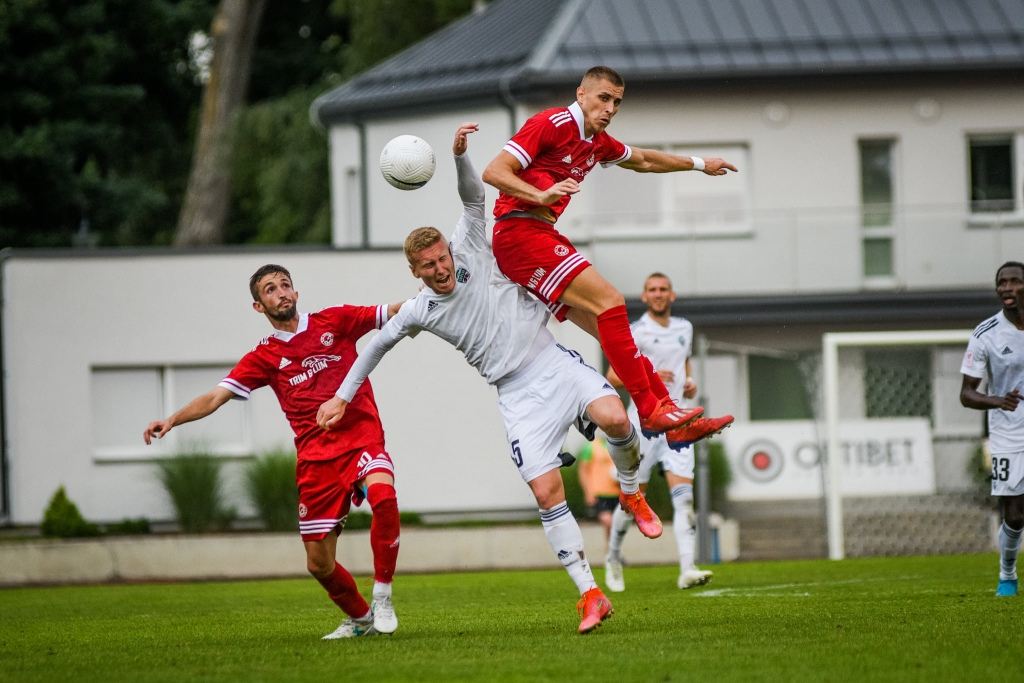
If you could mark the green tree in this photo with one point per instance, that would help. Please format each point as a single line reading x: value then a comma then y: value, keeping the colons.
x: 94, y: 118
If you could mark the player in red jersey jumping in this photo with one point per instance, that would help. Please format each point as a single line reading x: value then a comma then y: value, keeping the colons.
x: 537, y: 172
x: 304, y: 361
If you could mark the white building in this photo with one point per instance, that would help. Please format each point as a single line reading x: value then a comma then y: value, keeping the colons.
x: 881, y: 156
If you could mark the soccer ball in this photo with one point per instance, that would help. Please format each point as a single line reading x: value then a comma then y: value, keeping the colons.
x: 407, y: 162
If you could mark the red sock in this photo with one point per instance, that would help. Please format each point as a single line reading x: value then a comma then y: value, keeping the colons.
x: 654, y: 379
x: 617, y: 342
x: 384, y: 530
x: 342, y: 589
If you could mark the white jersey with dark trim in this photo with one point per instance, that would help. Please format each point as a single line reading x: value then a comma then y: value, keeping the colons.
x: 491, y: 319
x: 666, y: 347
x: 995, y: 353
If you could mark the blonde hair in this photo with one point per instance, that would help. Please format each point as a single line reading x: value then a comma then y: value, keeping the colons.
x: 420, y: 239
x: 658, y: 274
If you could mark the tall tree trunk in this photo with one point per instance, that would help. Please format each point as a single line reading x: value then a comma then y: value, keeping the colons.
x: 205, y: 210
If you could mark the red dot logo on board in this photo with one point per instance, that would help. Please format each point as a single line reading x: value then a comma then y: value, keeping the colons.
x: 761, y: 461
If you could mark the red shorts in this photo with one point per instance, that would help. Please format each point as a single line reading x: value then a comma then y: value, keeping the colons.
x: 534, y: 255
x: 327, y: 488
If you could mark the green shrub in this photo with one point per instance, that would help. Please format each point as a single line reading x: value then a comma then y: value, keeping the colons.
x: 129, y: 527
x: 63, y: 520
x: 196, y: 488
x: 358, y: 520
x: 270, y: 485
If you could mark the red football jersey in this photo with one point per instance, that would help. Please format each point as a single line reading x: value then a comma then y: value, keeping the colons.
x: 305, y: 369
x: 551, y: 148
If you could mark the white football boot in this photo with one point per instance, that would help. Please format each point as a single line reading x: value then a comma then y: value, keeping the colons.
x: 352, y: 628
x: 694, y: 577
x: 384, y: 619
x: 613, y: 575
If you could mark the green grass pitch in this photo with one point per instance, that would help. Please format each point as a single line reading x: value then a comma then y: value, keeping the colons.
x: 921, y: 619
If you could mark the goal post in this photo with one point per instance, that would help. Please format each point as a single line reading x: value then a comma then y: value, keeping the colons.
x: 831, y: 343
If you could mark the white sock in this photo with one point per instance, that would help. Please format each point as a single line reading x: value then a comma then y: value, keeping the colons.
x: 683, y: 523
x: 566, y: 540
x: 621, y: 521
x: 381, y: 590
x: 1009, y: 544
x: 626, y: 456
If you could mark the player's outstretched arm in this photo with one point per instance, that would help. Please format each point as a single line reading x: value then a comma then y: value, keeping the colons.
x: 502, y: 173
x: 652, y: 161
x: 970, y: 397
x: 196, y: 410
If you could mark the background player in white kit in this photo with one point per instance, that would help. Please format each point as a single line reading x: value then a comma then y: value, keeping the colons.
x: 996, y: 353
x: 668, y: 342
x: 543, y: 388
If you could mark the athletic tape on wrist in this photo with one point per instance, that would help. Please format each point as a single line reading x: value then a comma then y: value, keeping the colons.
x: 698, y: 164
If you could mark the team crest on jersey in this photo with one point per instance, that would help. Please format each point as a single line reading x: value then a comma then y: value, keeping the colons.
x: 590, y: 161
x: 284, y: 363
x: 302, y: 511
x: 969, y: 360
x: 462, y: 275
x: 313, y: 365
x: 561, y: 250
x: 682, y: 340
x: 567, y: 159
x: 326, y: 338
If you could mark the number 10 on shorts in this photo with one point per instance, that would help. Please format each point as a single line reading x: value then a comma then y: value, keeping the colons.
x: 517, y: 455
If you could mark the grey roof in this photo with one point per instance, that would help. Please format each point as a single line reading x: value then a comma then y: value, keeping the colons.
x: 514, y: 48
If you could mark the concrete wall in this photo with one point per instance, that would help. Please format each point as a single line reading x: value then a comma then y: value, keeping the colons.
x: 62, y: 317
x: 802, y: 175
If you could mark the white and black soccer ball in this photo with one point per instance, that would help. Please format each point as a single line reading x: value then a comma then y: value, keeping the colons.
x: 407, y: 162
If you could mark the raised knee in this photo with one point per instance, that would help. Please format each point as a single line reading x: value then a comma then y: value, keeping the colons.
x: 1014, y: 519
x: 617, y: 426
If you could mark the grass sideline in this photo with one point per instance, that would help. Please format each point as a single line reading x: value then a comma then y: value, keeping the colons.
x: 894, y: 619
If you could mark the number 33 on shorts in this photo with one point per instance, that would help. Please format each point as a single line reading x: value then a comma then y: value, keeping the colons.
x: 1008, y: 474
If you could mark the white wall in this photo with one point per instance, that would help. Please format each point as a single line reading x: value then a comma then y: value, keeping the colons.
x: 803, y: 179
x: 64, y: 316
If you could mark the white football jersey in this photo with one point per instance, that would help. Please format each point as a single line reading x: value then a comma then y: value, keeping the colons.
x: 996, y: 353
x: 491, y: 319
x: 666, y: 347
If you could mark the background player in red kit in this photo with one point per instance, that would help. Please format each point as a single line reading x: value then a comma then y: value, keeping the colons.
x: 304, y: 361
x: 536, y: 173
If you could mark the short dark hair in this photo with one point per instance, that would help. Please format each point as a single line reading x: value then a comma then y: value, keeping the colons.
x: 1009, y: 264
x: 605, y: 73
x: 264, y: 271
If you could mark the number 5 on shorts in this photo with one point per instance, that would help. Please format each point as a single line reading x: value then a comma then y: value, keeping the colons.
x: 517, y: 455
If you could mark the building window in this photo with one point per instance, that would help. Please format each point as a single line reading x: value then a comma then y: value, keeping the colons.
x: 777, y: 390
x: 898, y: 383
x: 992, y: 174
x: 877, y: 197
x: 125, y: 400
x: 625, y: 203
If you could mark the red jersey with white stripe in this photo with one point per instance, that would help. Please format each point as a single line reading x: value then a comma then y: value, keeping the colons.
x: 551, y: 147
x: 305, y: 369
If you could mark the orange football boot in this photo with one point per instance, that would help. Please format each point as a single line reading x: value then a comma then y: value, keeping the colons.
x: 701, y: 428
x: 668, y: 416
x: 646, y: 520
x: 595, y: 608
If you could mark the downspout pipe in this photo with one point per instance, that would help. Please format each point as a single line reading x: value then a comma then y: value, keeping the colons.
x: 5, y: 470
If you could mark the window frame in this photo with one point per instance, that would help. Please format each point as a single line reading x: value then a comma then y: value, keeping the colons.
x: 989, y: 219
x: 173, y: 442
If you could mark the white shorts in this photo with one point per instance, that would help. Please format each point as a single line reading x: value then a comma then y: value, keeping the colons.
x: 656, y: 450
x: 541, y: 403
x: 1008, y: 474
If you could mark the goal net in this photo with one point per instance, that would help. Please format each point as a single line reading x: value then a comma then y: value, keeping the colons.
x: 909, y: 475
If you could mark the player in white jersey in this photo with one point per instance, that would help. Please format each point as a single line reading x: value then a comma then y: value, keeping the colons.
x: 668, y: 342
x: 543, y: 388
x: 995, y: 353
